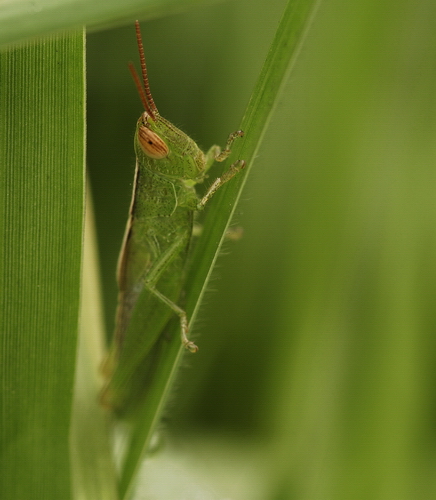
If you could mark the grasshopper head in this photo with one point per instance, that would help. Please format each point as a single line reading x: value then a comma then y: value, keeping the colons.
x: 171, y: 151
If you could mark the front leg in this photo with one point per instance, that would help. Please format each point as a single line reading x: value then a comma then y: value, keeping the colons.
x: 215, y: 153
x: 234, y: 169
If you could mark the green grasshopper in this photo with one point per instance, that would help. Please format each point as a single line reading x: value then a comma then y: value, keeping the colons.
x: 152, y: 262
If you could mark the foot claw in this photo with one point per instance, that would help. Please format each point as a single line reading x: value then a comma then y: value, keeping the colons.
x: 191, y: 347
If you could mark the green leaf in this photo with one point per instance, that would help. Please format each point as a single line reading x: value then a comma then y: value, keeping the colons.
x: 42, y: 131
x: 20, y: 20
x: 92, y: 468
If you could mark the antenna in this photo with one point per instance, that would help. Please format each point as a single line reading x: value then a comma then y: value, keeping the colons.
x: 144, y: 92
x: 140, y: 89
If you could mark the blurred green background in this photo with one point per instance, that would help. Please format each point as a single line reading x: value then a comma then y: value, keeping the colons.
x: 317, y: 337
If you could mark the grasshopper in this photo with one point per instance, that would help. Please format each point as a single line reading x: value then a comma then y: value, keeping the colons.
x: 154, y: 252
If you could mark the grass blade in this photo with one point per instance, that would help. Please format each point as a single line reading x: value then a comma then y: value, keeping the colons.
x: 19, y: 20
x: 42, y: 157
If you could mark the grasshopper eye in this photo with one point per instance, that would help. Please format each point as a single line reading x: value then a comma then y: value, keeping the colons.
x: 152, y: 145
